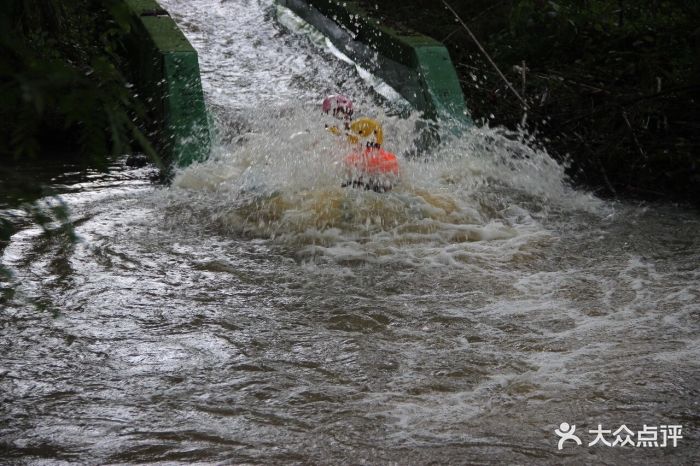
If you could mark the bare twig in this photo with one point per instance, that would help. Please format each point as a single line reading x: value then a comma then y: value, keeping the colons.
x: 621, y: 13
x: 665, y: 92
x: 561, y: 78
x: 488, y: 57
x: 476, y: 17
x: 483, y: 12
x: 634, y: 135
x: 598, y: 162
x: 444, y: 39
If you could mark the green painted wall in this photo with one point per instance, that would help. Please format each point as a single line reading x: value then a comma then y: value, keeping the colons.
x: 166, y: 71
x: 417, y: 66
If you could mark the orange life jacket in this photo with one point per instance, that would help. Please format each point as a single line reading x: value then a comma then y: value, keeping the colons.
x: 373, y: 161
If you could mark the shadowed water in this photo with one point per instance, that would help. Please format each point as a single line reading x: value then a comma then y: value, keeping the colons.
x: 256, y: 312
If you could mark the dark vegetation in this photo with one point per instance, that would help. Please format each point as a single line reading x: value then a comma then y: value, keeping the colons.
x: 63, y: 100
x: 611, y: 85
x: 64, y: 96
x: 62, y: 90
x: 62, y: 87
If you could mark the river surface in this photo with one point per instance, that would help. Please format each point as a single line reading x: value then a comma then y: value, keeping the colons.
x: 255, y: 312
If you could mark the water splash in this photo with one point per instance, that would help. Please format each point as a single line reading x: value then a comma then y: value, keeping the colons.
x: 256, y: 312
x: 281, y: 180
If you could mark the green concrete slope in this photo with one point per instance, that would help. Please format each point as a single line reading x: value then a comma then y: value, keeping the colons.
x: 166, y: 71
x: 417, y: 66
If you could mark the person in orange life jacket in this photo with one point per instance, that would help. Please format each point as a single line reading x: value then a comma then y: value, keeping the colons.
x: 369, y: 165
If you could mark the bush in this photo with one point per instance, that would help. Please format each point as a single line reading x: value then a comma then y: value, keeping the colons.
x: 61, y: 84
x: 612, y: 84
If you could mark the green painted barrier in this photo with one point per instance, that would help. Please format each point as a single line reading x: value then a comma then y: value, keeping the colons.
x: 166, y: 72
x: 417, y: 66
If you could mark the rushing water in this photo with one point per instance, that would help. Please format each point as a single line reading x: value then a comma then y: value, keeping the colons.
x: 256, y: 312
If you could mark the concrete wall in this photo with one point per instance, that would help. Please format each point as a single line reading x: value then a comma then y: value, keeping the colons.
x: 418, y: 67
x: 166, y: 73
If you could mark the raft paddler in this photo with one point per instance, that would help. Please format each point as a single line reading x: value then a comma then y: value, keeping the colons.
x: 369, y: 166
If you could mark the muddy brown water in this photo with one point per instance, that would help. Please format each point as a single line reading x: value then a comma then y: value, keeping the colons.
x: 255, y: 312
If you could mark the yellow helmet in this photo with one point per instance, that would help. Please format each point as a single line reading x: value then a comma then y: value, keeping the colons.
x: 366, y: 128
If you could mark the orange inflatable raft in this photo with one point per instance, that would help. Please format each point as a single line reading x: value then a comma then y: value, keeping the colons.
x: 374, y: 168
x: 373, y: 162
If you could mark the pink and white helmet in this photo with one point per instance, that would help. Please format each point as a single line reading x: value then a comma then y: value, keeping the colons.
x: 338, y: 105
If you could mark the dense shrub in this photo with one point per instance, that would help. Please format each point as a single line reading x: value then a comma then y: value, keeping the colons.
x: 615, y: 84
x: 62, y: 97
x: 60, y: 80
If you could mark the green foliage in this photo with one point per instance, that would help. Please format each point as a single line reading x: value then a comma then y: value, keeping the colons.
x: 637, y: 40
x: 60, y: 80
x: 620, y: 79
x: 62, y: 95
x: 614, y: 85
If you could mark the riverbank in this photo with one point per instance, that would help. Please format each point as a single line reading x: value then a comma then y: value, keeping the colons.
x: 65, y: 90
x: 63, y: 103
x: 87, y: 81
x: 611, y: 88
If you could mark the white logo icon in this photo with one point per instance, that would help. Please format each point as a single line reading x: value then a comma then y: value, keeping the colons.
x: 566, y: 433
x: 649, y: 437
